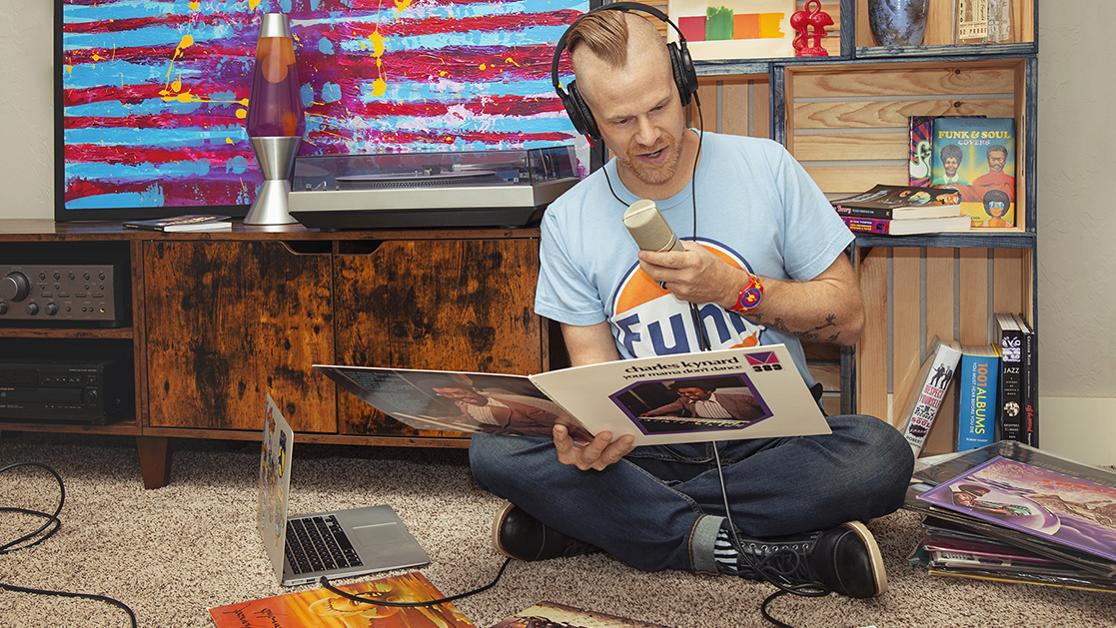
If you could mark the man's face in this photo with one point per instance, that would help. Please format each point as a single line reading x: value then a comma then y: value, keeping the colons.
x: 693, y: 393
x: 467, y: 395
x: 951, y: 164
x: 996, y: 161
x: 638, y: 111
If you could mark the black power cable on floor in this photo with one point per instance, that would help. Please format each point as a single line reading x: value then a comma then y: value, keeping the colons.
x: 51, y: 525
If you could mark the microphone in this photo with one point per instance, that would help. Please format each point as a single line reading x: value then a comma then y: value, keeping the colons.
x: 649, y: 229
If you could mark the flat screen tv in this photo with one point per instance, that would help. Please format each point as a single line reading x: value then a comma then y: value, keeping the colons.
x: 151, y: 95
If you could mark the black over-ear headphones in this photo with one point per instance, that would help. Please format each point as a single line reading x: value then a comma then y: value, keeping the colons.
x: 685, y: 77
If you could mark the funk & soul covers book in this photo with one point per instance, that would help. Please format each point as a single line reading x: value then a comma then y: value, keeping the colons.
x: 977, y: 157
x: 753, y: 392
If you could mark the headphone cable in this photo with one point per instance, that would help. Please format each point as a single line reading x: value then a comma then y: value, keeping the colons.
x: 44, y: 532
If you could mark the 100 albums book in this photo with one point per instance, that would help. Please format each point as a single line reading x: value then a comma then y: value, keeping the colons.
x: 754, y: 392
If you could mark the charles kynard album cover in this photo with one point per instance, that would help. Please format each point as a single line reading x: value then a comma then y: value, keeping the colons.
x: 753, y: 392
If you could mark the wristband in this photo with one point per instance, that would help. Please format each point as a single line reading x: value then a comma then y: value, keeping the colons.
x: 750, y: 296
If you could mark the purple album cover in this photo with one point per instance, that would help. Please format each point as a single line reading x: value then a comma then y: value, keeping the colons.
x: 677, y: 405
x: 1038, y: 502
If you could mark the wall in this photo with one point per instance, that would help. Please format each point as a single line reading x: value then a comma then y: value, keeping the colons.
x: 26, y: 109
x: 1076, y: 225
x: 1077, y: 218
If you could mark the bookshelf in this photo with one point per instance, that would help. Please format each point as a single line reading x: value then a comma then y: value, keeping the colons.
x: 844, y: 118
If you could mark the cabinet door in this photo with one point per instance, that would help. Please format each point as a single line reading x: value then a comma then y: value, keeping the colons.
x: 228, y: 322
x: 436, y: 304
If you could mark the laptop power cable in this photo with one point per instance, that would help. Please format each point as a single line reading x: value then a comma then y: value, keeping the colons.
x: 367, y: 600
x: 50, y: 526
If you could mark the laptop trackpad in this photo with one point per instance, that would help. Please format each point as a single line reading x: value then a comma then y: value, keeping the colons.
x: 380, y: 534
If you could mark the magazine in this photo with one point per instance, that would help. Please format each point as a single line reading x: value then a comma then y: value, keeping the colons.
x: 729, y: 394
x: 188, y: 222
x: 1053, y: 506
x: 553, y: 615
x: 320, y: 607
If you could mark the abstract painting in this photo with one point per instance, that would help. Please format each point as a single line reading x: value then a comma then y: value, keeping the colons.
x: 152, y: 94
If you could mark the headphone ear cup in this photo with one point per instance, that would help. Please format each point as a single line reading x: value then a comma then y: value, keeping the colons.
x: 685, y: 76
x: 579, y: 112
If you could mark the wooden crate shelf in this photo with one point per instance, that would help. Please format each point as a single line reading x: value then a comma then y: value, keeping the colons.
x: 940, y: 29
x: 846, y: 122
x: 913, y: 295
x: 1012, y: 240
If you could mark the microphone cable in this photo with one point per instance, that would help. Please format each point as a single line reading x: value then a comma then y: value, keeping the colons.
x: 760, y: 569
x: 50, y: 526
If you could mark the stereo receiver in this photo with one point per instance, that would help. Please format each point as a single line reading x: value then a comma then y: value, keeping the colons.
x: 83, y: 294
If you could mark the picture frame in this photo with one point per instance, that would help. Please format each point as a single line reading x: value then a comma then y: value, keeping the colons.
x: 982, y: 22
x: 718, y: 30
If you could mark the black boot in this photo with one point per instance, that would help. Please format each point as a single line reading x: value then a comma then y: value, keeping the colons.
x: 844, y: 560
x: 519, y: 535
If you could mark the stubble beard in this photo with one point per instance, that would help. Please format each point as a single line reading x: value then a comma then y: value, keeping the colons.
x: 655, y: 175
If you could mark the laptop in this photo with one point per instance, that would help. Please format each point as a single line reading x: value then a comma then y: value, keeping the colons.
x: 338, y: 544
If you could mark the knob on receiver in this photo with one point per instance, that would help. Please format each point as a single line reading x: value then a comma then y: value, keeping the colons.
x: 14, y: 287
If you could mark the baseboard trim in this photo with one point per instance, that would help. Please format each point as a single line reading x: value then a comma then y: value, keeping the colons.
x: 1081, y: 428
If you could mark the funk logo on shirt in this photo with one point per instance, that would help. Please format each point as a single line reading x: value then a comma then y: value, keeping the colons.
x: 649, y: 320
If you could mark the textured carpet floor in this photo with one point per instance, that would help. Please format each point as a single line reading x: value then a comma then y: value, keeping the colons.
x: 173, y: 553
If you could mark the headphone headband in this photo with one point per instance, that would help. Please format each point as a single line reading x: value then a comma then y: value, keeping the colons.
x: 682, y: 68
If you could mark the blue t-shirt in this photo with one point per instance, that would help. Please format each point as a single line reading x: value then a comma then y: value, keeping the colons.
x: 756, y: 208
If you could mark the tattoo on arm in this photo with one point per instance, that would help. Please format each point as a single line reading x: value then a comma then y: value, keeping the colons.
x: 805, y: 334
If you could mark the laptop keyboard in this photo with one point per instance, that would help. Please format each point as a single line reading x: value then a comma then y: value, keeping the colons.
x: 318, y: 544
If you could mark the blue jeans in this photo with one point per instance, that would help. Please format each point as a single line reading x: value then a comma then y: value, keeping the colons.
x: 661, y: 506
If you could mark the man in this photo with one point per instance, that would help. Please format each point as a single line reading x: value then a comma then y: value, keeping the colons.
x: 951, y: 163
x: 994, y: 179
x: 701, y: 400
x: 494, y: 412
x: 661, y: 507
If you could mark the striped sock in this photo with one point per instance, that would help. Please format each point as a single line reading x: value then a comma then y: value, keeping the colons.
x: 724, y: 552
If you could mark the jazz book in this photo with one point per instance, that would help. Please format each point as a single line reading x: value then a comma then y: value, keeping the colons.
x: 753, y: 392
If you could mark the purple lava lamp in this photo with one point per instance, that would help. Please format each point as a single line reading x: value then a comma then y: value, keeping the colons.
x: 275, y: 120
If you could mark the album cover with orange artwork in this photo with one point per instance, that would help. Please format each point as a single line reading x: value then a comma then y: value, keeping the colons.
x: 320, y: 607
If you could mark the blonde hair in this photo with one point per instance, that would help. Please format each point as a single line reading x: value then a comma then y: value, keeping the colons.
x: 605, y: 33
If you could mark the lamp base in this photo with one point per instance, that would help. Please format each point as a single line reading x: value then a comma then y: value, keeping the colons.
x: 270, y: 206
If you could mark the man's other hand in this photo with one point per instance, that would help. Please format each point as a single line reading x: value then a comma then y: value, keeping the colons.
x: 597, y: 455
x: 695, y: 275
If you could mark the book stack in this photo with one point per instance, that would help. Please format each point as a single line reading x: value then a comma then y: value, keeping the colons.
x: 1009, y: 512
x: 903, y: 210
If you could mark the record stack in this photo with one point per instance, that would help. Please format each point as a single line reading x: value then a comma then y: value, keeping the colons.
x: 1011, y: 513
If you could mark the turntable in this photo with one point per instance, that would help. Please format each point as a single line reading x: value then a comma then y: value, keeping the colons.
x: 504, y: 188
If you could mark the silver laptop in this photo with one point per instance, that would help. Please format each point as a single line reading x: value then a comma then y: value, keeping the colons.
x: 337, y: 544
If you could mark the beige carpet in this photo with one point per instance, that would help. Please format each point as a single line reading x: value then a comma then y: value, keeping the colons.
x: 173, y: 553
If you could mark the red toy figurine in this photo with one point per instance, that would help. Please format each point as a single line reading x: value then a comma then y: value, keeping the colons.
x: 808, y: 23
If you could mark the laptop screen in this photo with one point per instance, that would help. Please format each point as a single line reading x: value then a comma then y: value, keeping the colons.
x: 274, y: 484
